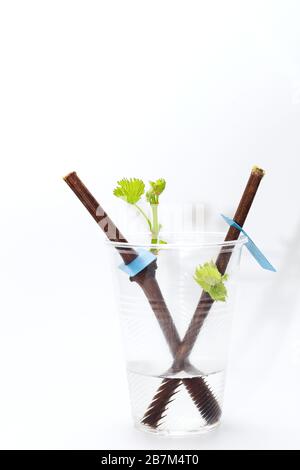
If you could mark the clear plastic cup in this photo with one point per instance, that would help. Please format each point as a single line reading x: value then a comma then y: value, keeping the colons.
x: 176, y: 358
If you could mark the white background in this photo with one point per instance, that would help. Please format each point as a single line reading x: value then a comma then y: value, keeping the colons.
x: 196, y: 92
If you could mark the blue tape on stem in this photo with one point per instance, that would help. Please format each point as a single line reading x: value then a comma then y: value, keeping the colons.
x: 143, y: 260
x: 254, y: 250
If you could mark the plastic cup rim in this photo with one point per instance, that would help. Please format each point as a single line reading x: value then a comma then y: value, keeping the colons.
x: 242, y: 240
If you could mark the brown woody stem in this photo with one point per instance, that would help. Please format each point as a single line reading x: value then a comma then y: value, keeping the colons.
x: 205, y: 302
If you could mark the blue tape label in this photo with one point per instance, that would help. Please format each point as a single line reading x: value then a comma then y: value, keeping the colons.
x: 143, y: 260
x: 254, y: 250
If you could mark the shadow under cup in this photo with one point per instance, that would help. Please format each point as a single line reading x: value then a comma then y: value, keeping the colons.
x: 176, y: 337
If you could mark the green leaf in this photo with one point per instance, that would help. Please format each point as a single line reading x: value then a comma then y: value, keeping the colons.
x: 130, y: 190
x: 211, y: 280
x: 156, y: 188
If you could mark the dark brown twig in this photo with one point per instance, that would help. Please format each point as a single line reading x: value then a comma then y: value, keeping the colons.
x: 152, y: 415
x: 147, y: 281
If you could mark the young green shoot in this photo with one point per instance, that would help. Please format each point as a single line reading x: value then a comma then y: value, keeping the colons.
x: 152, y: 196
x: 131, y: 191
x: 212, y: 281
